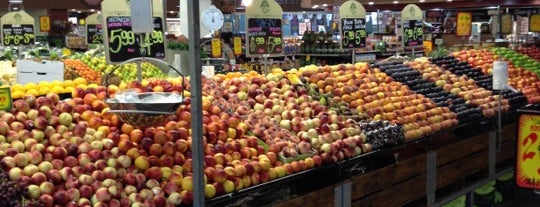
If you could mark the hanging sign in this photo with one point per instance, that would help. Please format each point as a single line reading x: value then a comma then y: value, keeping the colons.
x: 216, y: 47
x: 94, y: 33
x: 411, y: 21
x: 353, y: 25
x: 264, y: 28
x: 464, y: 24
x: 534, y: 23
x: 17, y: 29
x: 506, y: 24
x: 237, y: 46
x: 121, y: 43
x: 44, y: 23
x: 528, y: 151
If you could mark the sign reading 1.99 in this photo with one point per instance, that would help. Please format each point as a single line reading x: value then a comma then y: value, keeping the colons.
x: 413, y: 33
x: 353, y: 33
x: 125, y: 45
x: 264, y: 36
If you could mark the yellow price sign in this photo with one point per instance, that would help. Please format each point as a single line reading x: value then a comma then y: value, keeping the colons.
x: 216, y: 48
x: 237, y: 46
x: 534, y: 23
x: 464, y: 24
x: 528, y: 152
x: 5, y: 98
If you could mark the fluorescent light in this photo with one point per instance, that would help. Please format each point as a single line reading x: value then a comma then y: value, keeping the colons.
x: 325, y: 5
x: 395, y: 2
x: 370, y: 3
x: 246, y: 3
x: 92, y: 10
x: 315, y: 6
x: 422, y: 1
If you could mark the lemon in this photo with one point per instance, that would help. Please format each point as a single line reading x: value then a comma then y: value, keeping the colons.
x: 92, y: 85
x: 44, y: 90
x: 83, y: 86
x: 80, y: 81
x: 17, y: 94
x: 58, y: 89
x: 44, y: 84
x: 17, y: 87
x: 33, y: 92
x: 30, y: 86
x: 68, y: 89
x: 68, y: 83
x: 56, y: 83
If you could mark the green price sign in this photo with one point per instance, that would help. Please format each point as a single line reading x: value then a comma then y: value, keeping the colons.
x: 413, y: 33
x: 353, y: 33
x: 15, y: 35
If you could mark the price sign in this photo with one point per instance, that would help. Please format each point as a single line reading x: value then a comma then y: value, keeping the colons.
x: 124, y: 44
x: 5, y: 98
x: 264, y: 33
x: 353, y: 25
x: 464, y: 24
x: 17, y: 29
x: 506, y: 24
x: 17, y: 35
x: 528, y: 151
x: 94, y: 34
x: 534, y: 23
x: 413, y: 33
x: 237, y: 46
x: 353, y: 33
x: 121, y: 42
x: 264, y: 36
x: 216, y: 48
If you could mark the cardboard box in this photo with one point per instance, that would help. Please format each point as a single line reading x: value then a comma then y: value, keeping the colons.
x: 31, y: 71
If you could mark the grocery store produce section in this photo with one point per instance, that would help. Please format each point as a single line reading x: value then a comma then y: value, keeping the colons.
x: 60, y: 146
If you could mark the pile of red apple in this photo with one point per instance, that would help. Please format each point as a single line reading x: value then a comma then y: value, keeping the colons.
x: 462, y: 86
x: 373, y: 92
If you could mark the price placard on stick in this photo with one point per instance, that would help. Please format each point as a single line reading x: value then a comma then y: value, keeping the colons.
x: 94, y: 32
x: 265, y: 36
x: 264, y: 28
x: 121, y: 42
x: 353, y: 25
x: 17, y: 29
x: 411, y: 21
x: 413, y: 33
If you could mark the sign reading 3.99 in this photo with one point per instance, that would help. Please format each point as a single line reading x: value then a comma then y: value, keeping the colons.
x: 413, y: 33
x: 16, y: 35
x: 125, y: 45
x: 353, y: 33
x: 264, y: 36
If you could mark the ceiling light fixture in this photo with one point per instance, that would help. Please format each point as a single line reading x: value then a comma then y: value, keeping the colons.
x: 395, y: 2
x: 246, y: 3
x: 422, y: 1
x: 370, y: 3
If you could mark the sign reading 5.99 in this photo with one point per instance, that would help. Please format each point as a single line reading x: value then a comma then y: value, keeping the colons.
x: 125, y: 45
x: 16, y: 35
x: 528, y: 151
x: 413, y: 33
x: 353, y: 33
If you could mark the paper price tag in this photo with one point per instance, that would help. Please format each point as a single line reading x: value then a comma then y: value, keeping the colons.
x: 5, y: 98
x: 237, y: 46
x: 216, y: 48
